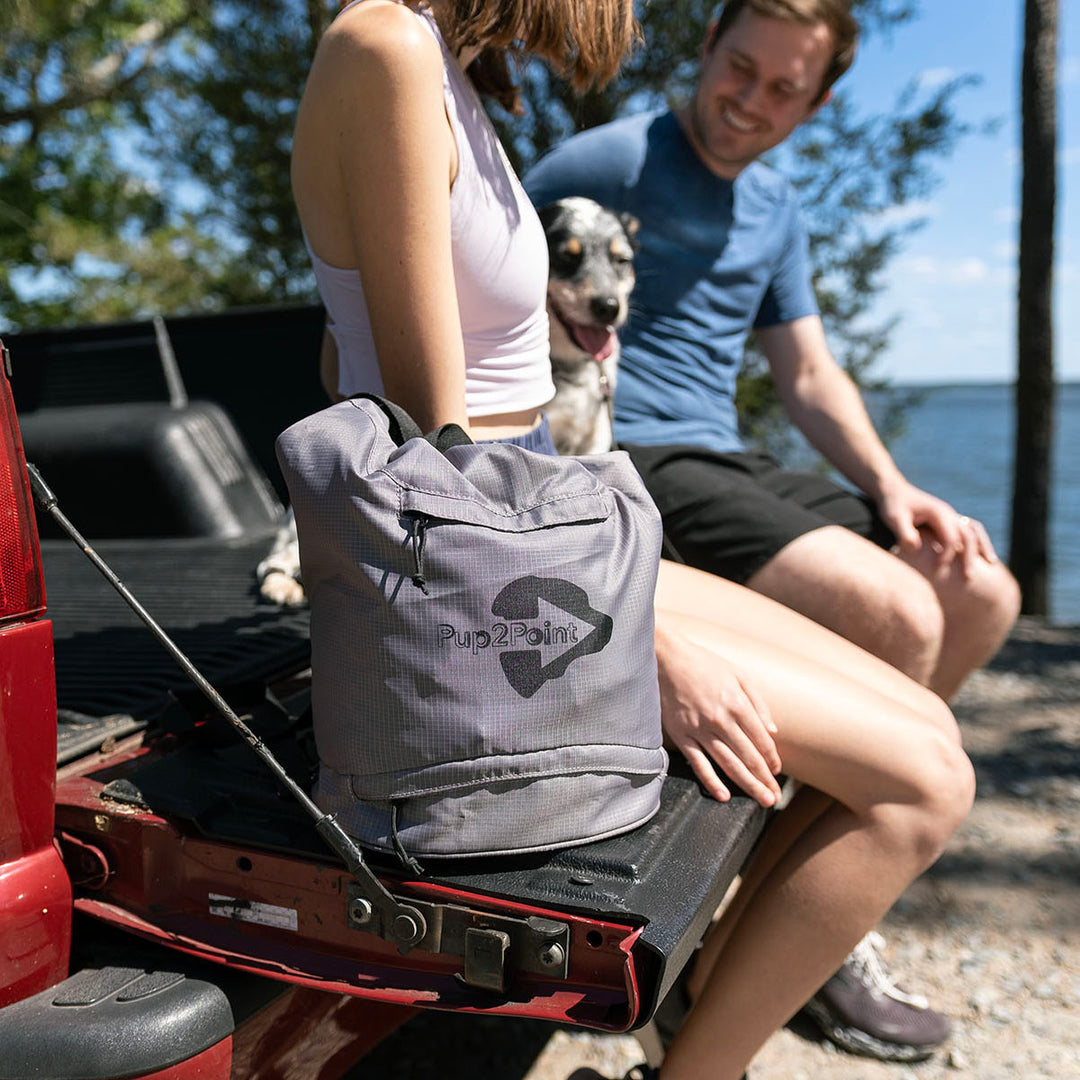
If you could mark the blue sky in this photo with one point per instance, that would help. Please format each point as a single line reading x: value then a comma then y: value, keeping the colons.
x: 954, y: 284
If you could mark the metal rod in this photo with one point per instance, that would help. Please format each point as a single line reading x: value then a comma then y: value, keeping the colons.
x: 404, y: 923
x: 173, y: 379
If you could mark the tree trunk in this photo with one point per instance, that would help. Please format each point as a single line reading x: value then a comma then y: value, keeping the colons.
x: 1029, y: 550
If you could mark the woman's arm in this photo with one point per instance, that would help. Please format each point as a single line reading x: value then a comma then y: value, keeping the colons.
x: 373, y: 160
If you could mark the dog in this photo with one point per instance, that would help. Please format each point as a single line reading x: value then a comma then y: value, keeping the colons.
x: 591, y: 274
x: 278, y: 574
x: 590, y: 278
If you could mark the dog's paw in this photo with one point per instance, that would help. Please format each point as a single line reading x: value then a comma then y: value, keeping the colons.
x: 281, y: 588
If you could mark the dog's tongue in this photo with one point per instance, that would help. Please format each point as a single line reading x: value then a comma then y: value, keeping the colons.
x: 597, y: 341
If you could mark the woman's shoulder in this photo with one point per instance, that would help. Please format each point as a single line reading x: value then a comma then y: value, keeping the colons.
x: 385, y: 34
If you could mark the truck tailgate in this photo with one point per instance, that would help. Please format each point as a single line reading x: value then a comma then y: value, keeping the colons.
x: 666, y: 877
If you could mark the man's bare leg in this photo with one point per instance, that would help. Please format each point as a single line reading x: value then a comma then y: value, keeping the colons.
x: 931, y: 622
x: 979, y: 613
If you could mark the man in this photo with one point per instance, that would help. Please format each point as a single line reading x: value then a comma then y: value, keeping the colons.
x: 724, y: 252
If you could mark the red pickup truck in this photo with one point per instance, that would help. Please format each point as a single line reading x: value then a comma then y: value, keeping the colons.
x: 167, y: 908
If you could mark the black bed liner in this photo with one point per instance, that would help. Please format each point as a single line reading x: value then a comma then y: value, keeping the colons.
x: 669, y: 875
x: 113, y: 675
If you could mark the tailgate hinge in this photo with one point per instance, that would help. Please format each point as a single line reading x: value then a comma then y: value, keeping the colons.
x: 493, y: 947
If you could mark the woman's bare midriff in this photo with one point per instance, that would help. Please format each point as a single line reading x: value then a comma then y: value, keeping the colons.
x: 504, y: 425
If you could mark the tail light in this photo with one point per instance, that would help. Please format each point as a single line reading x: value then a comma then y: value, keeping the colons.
x: 22, y: 583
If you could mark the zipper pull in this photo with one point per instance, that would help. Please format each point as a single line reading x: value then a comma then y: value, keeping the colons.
x: 418, y: 533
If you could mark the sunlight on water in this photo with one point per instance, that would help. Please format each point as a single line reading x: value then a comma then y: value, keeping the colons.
x: 958, y: 444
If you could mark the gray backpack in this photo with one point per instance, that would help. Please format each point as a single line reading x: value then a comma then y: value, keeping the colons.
x: 483, y: 673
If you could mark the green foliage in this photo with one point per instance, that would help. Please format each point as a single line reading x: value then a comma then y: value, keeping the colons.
x: 144, y: 155
x: 144, y: 160
x: 230, y: 127
x: 81, y: 235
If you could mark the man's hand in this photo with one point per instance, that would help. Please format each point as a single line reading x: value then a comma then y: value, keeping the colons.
x: 917, y: 518
x: 714, y: 718
x: 826, y: 406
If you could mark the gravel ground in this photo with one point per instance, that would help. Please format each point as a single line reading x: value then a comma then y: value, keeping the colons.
x: 991, y: 934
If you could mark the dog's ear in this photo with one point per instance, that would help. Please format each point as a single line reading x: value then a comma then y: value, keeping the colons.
x: 548, y: 214
x: 631, y: 226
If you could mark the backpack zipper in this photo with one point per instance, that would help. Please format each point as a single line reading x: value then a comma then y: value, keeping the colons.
x: 418, y: 533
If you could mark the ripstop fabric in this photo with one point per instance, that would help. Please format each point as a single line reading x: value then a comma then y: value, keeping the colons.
x: 483, y: 669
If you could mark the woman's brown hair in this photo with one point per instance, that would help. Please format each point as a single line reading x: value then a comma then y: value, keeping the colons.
x: 583, y: 40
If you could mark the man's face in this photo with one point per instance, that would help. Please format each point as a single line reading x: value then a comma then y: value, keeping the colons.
x: 757, y: 83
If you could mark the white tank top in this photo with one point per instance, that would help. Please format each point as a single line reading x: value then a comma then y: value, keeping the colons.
x: 500, y: 271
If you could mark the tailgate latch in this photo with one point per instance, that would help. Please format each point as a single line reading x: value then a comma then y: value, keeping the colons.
x: 493, y: 947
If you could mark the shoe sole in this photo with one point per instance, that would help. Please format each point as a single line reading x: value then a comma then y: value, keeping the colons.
x: 860, y: 1042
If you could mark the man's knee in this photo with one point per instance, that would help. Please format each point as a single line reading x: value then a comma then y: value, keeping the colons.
x: 994, y: 597
x: 982, y: 618
x: 862, y: 593
x: 917, y: 621
x: 982, y: 605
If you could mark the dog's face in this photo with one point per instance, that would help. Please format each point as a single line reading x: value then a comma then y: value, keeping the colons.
x: 591, y: 255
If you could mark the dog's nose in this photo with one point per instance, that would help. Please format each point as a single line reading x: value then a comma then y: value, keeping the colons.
x: 604, y: 308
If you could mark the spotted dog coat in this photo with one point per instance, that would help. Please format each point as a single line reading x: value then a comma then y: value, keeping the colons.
x: 591, y: 252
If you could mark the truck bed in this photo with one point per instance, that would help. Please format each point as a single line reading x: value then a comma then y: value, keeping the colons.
x: 112, y: 675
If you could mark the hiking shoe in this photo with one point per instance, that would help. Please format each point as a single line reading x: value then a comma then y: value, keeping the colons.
x: 861, y: 1009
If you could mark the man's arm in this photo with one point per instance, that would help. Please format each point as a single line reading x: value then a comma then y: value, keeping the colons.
x: 826, y: 406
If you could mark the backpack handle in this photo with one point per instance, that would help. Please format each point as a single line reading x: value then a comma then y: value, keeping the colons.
x: 403, y: 427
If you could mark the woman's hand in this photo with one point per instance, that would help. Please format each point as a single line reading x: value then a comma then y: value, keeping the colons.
x: 715, y: 719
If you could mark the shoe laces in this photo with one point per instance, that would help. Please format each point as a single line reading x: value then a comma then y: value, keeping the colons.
x: 868, y: 965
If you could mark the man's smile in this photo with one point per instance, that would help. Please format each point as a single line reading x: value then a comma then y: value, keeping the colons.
x: 740, y: 124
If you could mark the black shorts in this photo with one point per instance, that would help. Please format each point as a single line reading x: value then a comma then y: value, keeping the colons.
x: 731, y: 513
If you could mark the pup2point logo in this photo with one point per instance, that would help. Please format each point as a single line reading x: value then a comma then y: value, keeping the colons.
x: 519, y: 605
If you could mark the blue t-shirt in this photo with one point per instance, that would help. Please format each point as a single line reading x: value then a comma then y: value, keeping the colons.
x: 718, y: 257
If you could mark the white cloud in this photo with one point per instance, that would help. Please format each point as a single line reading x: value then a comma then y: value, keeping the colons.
x: 963, y: 271
x: 1007, y: 215
x: 928, y: 319
x: 919, y: 312
x: 934, y: 78
x: 971, y: 269
x: 1006, y: 251
x: 916, y: 210
x: 919, y: 265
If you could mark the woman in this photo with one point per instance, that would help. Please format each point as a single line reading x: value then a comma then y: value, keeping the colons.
x: 432, y: 267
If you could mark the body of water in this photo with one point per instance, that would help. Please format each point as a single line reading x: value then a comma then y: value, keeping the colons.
x: 958, y: 444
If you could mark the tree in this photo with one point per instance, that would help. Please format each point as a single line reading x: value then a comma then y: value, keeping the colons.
x: 205, y: 94
x: 81, y: 235
x: 1029, y: 548
x: 229, y: 124
x: 144, y: 155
